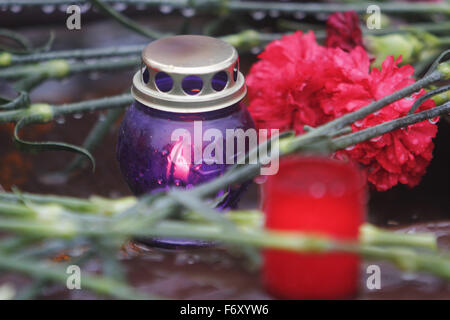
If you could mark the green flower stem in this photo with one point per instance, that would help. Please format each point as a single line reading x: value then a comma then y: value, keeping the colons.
x: 349, y: 118
x: 14, y: 209
x: 199, y: 207
x: 411, y: 261
x: 61, y: 68
x: 421, y: 67
x: 366, y: 134
x: 94, y: 105
x: 11, y: 116
x: 105, y: 65
x: 49, y: 69
x: 47, y: 271
x: 244, y: 40
x: 128, y: 50
x: 239, y: 175
x: 251, y: 220
x: 93, y: 205
x: 405, y: 258
x: 342, y: 142
x: 371, y: 235
x: 288, y: 7
x: 46, y: 112
x: 39, y: 112
x: 80, y: 205
x: 12, y: 243
x: 142, y: 227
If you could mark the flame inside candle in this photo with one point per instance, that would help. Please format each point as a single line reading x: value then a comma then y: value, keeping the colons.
x: 178, y: 161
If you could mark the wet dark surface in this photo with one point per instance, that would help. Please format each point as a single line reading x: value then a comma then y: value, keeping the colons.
x: 208, y: 273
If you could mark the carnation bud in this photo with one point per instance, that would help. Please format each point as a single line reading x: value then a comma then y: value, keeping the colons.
x: 43, y: 110
x: 5, y: 59
x: 246, y: 39
x: 57, y: 68
x: 442, y: 98
x: 405, y: 45
x: 416, y: 45
x: 444, y: 69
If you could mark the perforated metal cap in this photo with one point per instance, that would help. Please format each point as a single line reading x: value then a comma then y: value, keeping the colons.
x: 189, y: 74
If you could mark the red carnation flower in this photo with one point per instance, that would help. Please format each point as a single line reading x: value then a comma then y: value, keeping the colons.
x: 297, y: 82
x: 343, y: 31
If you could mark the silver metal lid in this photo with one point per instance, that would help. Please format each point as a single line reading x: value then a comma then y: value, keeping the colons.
x: 189, y: 74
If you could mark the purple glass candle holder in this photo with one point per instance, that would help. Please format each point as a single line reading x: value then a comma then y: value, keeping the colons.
x: 149, y: 160
x: 187, y: 82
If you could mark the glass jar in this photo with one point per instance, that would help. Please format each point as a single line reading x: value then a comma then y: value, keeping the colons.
x: 189, y: 84
x: 150, y: 160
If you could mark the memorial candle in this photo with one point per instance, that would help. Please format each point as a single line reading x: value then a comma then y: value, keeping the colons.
x: 320, y: 196
x: 186, y: 84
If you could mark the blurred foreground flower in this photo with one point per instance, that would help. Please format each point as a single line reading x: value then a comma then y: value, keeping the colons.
x: 297, y: 82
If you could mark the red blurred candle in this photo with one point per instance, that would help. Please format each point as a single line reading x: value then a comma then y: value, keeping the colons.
x: 320, y: 196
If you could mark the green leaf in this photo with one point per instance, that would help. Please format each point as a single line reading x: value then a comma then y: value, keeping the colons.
x: 33, y: 146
